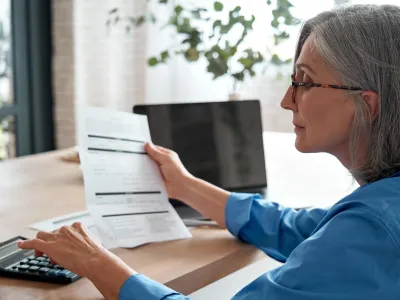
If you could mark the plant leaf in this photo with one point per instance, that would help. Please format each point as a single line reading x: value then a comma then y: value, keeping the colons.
x: 140, y: 20
x: 218, y: 6
x: 152, y: 61
x: 196, y: 14
x: 164, y: 56
x: 246, y: 62
x: 216, y: 24
x: 217, y: 66
x: 238, y: 76
x: 192, y: 54
x: 276, y: 60
x: 178, y: 9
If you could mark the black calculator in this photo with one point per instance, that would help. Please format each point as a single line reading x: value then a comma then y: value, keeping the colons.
x: 23, y: 264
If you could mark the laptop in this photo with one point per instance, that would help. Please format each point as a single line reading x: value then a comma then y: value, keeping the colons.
x: 219, y: 142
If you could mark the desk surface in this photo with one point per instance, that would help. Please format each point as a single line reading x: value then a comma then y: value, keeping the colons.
x: 41, y: 186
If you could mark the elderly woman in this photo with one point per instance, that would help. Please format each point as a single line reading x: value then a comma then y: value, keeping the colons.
x: 345, y: 100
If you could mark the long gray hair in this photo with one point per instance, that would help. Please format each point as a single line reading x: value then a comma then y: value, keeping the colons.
x: 362, y: 43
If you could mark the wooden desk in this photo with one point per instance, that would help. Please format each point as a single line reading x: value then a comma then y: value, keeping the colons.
x: 41, y: 187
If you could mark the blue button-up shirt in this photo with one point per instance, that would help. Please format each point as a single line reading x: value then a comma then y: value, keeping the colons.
x: 350, y: 251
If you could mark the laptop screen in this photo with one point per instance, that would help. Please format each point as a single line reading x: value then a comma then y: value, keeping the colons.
x: 220, y: 142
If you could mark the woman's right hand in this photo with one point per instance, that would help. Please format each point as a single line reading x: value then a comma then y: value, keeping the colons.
x: 175, y: 175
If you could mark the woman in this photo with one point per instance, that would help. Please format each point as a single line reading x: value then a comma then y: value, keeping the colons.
x: 345, y: 99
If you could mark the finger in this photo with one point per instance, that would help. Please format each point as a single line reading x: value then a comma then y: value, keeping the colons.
x: 65, y: 230
x: 79, y: 227
x: 46, y: 236
x: 164, y: 150
x: 153, y: 152
x: 36, y: 244
x: 85, y: 233
x: 38, y: 253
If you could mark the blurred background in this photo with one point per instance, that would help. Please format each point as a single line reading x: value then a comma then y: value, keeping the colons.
x: 56, y: 55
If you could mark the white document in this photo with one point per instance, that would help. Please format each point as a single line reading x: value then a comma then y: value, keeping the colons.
x: 125, y: 193
x: 67, y: 220
x: 83, y: 217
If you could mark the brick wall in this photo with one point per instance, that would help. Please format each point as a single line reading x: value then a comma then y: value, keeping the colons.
x: 63, y: 73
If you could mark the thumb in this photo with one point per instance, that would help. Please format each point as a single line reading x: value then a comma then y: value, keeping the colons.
x: 153, y: 152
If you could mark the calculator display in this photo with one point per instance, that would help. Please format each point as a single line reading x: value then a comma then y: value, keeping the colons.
x: 9, y: 249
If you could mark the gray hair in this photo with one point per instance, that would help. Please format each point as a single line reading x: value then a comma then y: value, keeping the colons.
x: 362, y: 43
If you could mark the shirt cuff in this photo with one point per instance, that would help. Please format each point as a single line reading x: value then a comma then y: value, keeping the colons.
x: 238, y: 210
x: 141, y: 287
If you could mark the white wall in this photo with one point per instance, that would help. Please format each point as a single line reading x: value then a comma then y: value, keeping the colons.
x: 109, y: 64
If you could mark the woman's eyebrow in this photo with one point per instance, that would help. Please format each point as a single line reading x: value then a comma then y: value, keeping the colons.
x: 301, y: 65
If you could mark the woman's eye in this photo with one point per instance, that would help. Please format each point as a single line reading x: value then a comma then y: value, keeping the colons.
x: 306, y: 78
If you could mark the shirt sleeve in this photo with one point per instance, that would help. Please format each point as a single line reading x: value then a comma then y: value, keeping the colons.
x: 352, y: 257
x: 274, y: 229
x: 140, y: 287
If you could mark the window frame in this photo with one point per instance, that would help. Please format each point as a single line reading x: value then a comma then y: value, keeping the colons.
x: 32, y: 107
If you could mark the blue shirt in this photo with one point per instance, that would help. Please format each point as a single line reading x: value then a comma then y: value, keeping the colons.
x: 350, y: 251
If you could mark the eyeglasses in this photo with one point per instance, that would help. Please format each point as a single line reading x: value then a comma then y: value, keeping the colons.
x: 296, y: 84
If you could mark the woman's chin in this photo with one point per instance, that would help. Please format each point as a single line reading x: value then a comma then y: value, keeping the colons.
x: 302, y: 145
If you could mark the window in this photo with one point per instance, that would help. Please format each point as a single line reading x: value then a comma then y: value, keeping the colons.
x: 7, y: 122
x: 26, y: 122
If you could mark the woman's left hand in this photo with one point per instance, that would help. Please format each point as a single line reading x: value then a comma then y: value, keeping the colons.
x: 72, y: 248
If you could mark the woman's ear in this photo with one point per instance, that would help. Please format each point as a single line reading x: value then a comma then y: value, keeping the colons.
x: 373, y: 102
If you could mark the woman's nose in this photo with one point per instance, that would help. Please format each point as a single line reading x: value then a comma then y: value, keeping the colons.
x: 287, y: 101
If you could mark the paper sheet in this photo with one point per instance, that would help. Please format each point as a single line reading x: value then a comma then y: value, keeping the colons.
x: 125, y: 193
x: 67, y: 220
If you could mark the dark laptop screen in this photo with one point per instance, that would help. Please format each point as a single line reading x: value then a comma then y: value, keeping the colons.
x: 220, y: 142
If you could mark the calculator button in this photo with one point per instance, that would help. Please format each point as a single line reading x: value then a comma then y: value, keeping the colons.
x: 58, y: 267
x: 40, y: 258
x: 32, y: 257
x: 44, y: 264
x: 53, y: 272
x: 65, y: 273
x: 44, y: 270
x: 23, y: 267
x: 24, y: 261
x: 33, y: 269
x: 33, y: 262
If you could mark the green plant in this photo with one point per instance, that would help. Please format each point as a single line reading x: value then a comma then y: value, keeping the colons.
x: 224, y: 55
